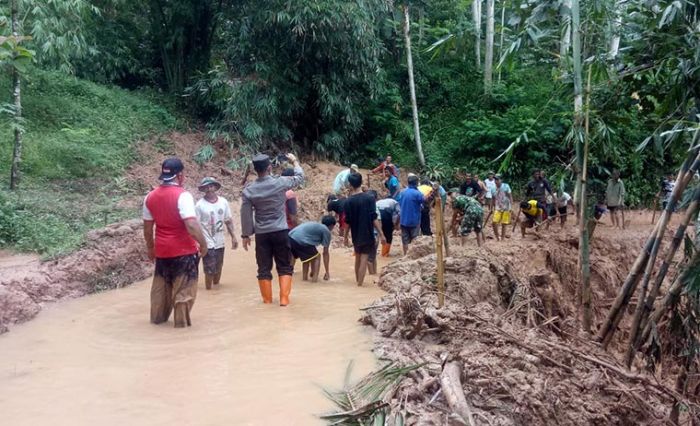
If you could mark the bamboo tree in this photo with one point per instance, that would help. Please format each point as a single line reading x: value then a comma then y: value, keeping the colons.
x: 581, y: 147
x: 476, y: 15
x: 646, y: 303
x: 615, y: 29
x: 488, y: 59
x: 412, y: 86
x: 565, y: 38
x: 584, y: 229
x: 616, y: 312
x: 503, y: 30
x: 17, y: 101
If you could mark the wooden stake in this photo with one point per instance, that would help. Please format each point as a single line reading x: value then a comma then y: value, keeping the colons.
x: 440, y: 231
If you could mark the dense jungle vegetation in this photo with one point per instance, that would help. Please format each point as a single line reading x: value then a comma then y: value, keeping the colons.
x: 495, y: 81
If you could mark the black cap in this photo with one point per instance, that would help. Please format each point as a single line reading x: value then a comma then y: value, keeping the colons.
x: 260, y: 162
x: 170, y: 168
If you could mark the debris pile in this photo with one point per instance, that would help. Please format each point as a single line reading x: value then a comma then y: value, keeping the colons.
x: 505, y: 349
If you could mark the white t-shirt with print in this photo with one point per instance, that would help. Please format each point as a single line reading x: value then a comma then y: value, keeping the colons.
x: 563, y: 200
x: 211, y: 217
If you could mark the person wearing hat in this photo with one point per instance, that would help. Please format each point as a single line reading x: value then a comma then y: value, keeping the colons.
x: 213, y: 212
x: 176, y: 248
x: 263, y: 214
x: 340, y: 183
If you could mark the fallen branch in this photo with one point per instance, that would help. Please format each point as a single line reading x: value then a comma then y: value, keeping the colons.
x: 451, y: 386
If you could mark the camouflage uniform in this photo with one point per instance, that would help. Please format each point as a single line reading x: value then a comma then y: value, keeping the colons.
x: 473, y: 219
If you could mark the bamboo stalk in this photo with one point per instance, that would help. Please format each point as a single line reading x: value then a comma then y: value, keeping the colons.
x: 607, y: 330
x: 670, y: 299
x: 584, y: 247
x: 681, y: 184
x: 643, y: 309
x: 440, y: 230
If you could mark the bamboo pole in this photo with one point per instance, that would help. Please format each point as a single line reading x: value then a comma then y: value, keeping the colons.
x: 439, y: 241
x: 440, y: 230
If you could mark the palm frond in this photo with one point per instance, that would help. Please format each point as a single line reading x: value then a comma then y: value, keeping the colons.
x: 363, y: 403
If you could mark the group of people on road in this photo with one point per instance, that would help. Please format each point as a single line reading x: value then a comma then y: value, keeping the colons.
x: 179, y: 232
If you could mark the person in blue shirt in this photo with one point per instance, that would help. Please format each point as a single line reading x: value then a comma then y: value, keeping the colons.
x: 411, y: 203
x: 391, y: 183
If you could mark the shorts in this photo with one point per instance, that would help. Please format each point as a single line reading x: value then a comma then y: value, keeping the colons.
x: 501, y: 217
x: 213, y: 261
x: 530, y: 221
x: 409, y: 233
x: 562, y: 210
x: 366, y: 248
x: 304, y: 252
x: 613, y: 208
x: 551, y: 210
x: 373, y: 253
x: 472, y: 221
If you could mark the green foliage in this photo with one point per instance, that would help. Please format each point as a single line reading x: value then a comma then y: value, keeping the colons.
x: 52, y: 218
x: 204, y: 154
x: 79, y: 138
x: 77, y: 129
x: 55, y: 28
x: 297, y: 71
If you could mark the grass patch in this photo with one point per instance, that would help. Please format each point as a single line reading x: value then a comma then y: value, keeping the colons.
x: 78, y: 142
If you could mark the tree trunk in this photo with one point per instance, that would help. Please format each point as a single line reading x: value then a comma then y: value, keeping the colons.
x: 476, y: 15
x: 565, y: 39
x: 578, y: 80
x: 584, y: 234
x: 17, y: 99
x: 488, y: 60
x: 503, y: 33
x: 615, y: 30
x: 412, y: 86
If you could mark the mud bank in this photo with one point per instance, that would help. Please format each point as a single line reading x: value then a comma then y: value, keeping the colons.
x: 112, y: 257
x: 510, y: 335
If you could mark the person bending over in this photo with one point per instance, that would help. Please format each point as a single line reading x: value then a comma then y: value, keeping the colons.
x: 303, y: 240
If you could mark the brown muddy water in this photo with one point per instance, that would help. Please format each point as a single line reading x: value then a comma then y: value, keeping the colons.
x: 98, y: 361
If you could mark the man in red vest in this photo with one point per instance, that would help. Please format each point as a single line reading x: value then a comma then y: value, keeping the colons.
x: 178, y: 244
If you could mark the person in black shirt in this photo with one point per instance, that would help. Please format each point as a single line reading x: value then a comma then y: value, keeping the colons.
x: 470, y: 187
x: 361, y: 214
x: 538, y: 188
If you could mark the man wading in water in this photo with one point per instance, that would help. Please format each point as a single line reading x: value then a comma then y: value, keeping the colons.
x: 171, y: 209
x: 213, y: 213
x: 263, y: 214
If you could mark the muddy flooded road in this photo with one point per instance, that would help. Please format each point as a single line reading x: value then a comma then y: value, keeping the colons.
x: 97, y: 359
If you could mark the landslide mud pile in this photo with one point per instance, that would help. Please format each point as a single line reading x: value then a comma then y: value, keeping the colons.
x: 509, y: 325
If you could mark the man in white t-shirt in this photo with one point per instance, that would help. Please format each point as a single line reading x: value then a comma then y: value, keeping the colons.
x: 490, y: 183
x: 213, y: 212
x: 563, y: 203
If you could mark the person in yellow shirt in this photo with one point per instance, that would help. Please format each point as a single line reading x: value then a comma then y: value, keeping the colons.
x: 533, y: 214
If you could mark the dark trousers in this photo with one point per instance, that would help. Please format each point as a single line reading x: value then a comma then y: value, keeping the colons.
x: 425, y: 222
x: 387, y: 225
x: 273, y: 245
